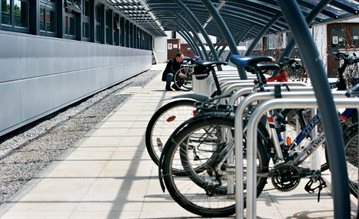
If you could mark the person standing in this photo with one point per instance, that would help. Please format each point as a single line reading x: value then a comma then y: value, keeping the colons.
x: 172, y: 67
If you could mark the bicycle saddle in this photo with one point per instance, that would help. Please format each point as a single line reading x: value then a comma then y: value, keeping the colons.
x: 210, y: 63
x: 270, y: 66
x: 248, y: 61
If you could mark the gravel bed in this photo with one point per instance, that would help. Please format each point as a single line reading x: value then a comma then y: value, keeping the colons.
x: 24, y: 155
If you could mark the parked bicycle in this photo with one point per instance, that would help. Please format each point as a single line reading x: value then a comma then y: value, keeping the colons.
x: 165, y: 120
x: 183, y: 77
x: 172, y: 114
x: 200, y: 149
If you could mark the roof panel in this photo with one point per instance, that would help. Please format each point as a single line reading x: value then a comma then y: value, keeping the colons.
x: 239, y: 13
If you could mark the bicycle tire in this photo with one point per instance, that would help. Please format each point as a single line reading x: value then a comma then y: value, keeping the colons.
x: 351, y: 157
x: 155, y: 136
x: 184, y: 84
x: 217, y: 204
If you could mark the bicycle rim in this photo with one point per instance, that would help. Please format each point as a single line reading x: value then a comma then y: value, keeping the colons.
x: 202, y: 190
x: 163, y: 123
x: 351, y: 156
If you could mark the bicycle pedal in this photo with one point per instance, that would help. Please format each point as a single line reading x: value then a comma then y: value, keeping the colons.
x: 311, y: 189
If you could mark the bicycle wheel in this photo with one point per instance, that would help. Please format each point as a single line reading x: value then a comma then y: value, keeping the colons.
x: 196, y: 147
x: 351, y: 144
x: 183, y: 78
x: 163, y: 122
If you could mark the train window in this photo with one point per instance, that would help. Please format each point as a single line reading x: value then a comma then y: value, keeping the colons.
x: 48, y: 19
x: 15, y: 15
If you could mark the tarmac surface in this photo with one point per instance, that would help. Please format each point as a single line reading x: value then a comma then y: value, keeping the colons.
x: 109, y: 175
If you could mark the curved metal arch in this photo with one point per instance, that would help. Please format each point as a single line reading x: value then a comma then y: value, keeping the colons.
x: 232, y: 9
x: 349, y: 7
x: 204, y: 54
x: 188, y: 37
x: 326, y: 104
x: 198, y: 25
x: 230, y: 18
x: 225, y: 32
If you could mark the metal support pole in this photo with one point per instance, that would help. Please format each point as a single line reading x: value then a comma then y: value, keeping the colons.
x: 200, y: 28
x: 188, y: 37
x: 260, y: 34
x: 222, y: 50
x: 219, y: 43
x: 225, y: 33
x: 240, y: 38
x: 189, y: 41
x: 310, y: 55
x: 195, y: 35
x: 310, y: 17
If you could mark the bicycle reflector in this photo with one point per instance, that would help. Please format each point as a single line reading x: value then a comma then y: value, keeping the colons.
x: 171, y: 118
x: 288, y: 140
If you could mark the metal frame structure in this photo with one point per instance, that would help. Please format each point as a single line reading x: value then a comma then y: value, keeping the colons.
x: 240, y: 14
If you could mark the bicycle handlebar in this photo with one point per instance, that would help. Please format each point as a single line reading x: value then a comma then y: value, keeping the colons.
x: 346, y: 57
x: 353, y: 91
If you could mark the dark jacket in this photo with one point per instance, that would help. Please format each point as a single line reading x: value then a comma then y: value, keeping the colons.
x: 171, y: 67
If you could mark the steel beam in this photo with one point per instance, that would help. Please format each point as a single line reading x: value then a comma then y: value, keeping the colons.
x: 240, y: 38
x: 188, y: 37
x: 225, y: 33
x: 200, y: 28
x: 315, y: 11
x: 204, y: 54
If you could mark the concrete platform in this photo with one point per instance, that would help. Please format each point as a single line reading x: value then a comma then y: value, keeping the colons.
x: 110, y: 175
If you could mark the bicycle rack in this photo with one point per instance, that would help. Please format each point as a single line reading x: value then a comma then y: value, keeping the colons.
x: 239, y: 129
x: 252, y: 140
x: 244, y: 91
x: 249, y: 90
x: 233, y: 86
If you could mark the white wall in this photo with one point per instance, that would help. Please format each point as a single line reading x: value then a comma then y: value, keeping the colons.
x: 160, y: 48
x: 39, y: 75
x: 319, y: 34
x: 182, y: 40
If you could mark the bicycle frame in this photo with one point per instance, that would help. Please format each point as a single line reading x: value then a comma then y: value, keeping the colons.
x: 278, y: 140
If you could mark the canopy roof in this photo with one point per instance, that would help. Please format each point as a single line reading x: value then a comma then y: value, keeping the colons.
x: 157, y: 16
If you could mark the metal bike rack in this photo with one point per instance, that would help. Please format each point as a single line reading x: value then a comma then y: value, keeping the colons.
x: 252, y: 140
x: 239, y: 133
x: 233, y: 86
x: 248, y: 90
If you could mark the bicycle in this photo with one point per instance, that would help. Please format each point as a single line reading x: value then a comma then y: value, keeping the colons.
x: 172, y: 114
x: 207, y: 173
x: 183, y: 77
x: 296, y: 71
x: 199, y: 166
